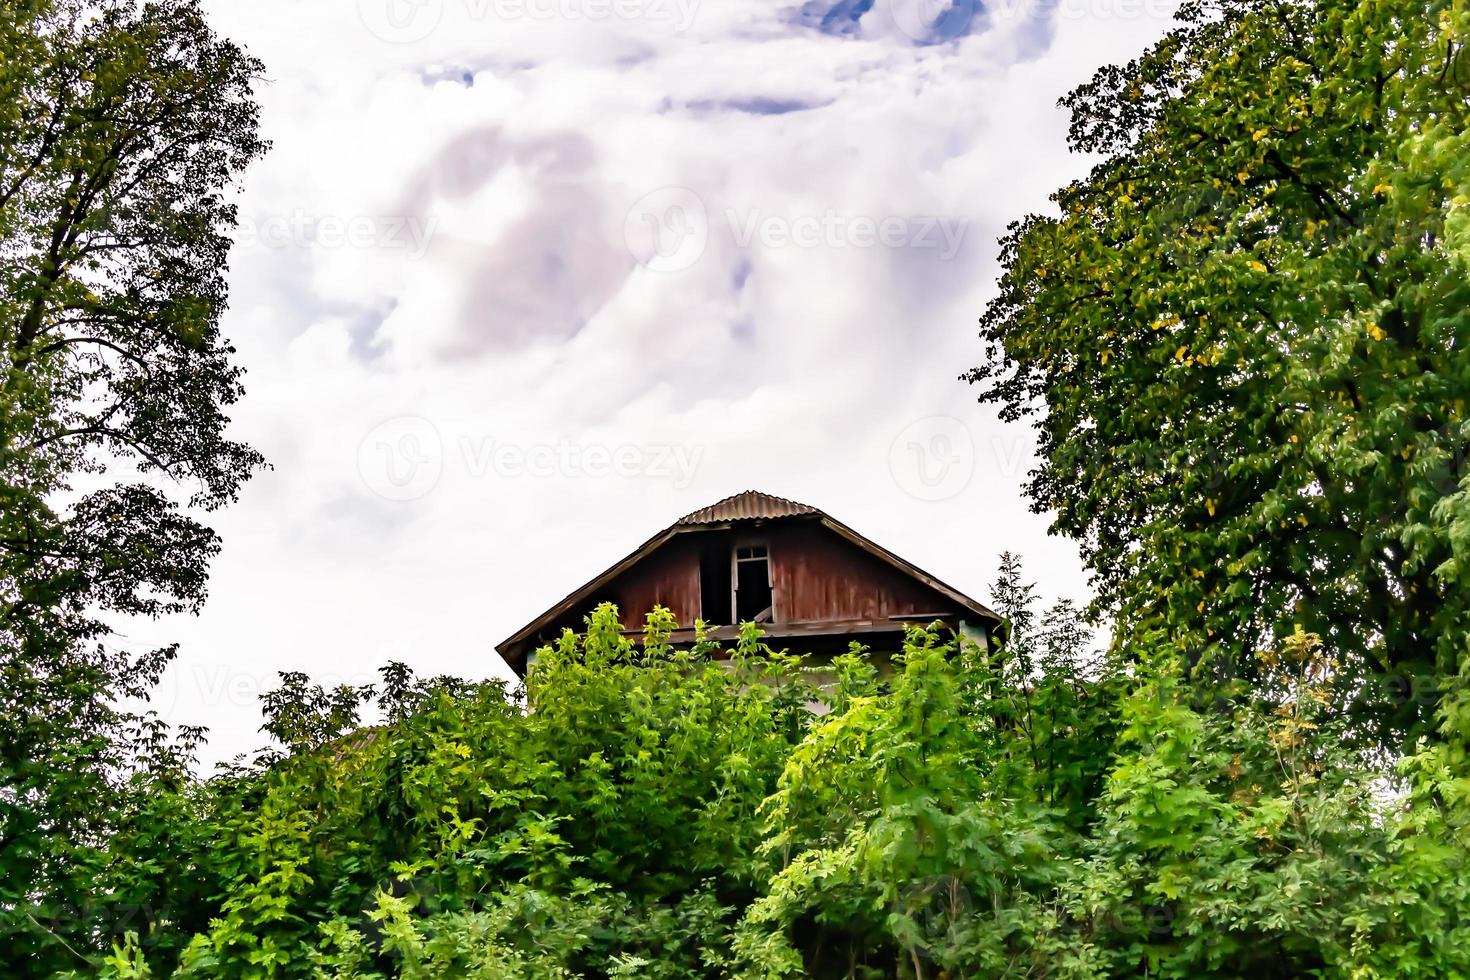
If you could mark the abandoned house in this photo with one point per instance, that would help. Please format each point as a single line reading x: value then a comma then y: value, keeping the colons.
x: 813, y: 583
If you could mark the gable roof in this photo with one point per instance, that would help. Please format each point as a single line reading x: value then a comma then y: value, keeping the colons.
x: 748, y: 506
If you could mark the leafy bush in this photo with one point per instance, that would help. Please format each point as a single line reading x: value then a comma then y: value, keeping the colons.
x: 641, y: 811
x: 611, y: 818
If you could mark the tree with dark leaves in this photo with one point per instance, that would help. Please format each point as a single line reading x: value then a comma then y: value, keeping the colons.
x: 123, y: 128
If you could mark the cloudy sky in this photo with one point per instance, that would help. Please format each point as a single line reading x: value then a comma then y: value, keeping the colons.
x: 523, y: 281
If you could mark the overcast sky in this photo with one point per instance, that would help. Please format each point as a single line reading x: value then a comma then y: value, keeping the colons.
x: 523, y: 281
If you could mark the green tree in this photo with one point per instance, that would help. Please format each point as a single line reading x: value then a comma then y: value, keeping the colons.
x: 1245, y: 337
x: 1054, y: 690
x: 122, y: 127
x: 907, y: 836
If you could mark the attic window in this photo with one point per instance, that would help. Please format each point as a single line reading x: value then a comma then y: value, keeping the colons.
x: 753, y: 584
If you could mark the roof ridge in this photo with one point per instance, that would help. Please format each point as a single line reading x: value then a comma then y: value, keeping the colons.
x: 746, y: 505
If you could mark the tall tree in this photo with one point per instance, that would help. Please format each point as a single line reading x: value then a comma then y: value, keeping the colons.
x: 1245, y: 337
x: 122, y: 127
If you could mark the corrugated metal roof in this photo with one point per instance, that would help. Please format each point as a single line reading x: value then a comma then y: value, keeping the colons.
x: 748, y: 506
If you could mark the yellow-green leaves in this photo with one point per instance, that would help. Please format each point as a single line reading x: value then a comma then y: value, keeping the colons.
x: 1280, y: 221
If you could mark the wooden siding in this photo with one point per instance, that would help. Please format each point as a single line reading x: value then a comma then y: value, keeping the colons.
x: 669, y: 577
x: 819, y: 577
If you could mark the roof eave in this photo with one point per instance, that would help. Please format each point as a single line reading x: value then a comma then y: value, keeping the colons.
x: 909, y: 568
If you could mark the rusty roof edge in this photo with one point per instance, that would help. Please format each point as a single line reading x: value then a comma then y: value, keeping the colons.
x: 730, y: 523
x: 909, y: 568
x: 569, y: 603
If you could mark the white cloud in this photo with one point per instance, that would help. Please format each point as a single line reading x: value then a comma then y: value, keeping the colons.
x: 475, y: 186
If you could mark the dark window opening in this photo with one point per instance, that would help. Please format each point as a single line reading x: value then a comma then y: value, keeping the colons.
x: 753, y: 585
x: 714, y: 585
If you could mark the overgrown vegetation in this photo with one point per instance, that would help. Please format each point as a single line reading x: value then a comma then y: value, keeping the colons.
x: 653, y: 812
x: 1243, y: 338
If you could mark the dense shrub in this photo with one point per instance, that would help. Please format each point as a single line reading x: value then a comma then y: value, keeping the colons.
x: 642, y: 811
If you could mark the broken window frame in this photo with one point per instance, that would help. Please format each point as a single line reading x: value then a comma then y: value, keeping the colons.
x: 737, y: 557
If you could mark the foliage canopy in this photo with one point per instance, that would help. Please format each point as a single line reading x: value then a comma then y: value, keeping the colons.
x: 1244, y: 338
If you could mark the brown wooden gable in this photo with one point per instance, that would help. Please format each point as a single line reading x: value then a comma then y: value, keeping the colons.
x: 827, y: 582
